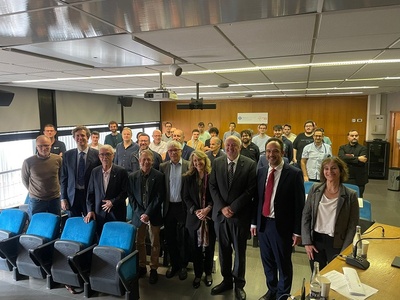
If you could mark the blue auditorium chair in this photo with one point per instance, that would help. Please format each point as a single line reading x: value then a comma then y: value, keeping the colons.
x: 113, y: 264
x: 12, y: 223
x: 53, y: 256
x: 42, y: 228
x: 353, y: 187
x: 308, y: 185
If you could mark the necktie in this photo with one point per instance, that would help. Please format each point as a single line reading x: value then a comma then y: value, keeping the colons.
x: 268, y: 194
x: 81, y: 169
x: 230, y: 173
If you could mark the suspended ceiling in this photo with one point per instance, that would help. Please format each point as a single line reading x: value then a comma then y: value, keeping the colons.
x: 260, y: 48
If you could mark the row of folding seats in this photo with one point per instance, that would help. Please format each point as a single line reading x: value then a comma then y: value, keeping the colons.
x: 72, y: 259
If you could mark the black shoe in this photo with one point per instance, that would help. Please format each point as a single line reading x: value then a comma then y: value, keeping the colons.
x: 171, y: 272
x: 153, y: 276
x: 268, y: 296
x: 196, y: 282
x: 182, y: 274
x: 240, y: 294
x: 222, y: 287
x: 208, y: 280
x: 142, y: 271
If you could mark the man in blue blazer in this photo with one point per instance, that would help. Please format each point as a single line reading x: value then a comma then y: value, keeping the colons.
x: 179, y: 136
x: 77, y: 165
x: 278, y: 218
x: 232, y: 187
x: 107, y: 191
x: 146, y: 195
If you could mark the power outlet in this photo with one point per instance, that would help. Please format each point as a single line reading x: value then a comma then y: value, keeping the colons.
x: 359, y: 120
x: 353, y: 120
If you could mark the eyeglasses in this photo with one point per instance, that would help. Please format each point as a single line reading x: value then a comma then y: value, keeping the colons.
x: 43, y: 146
x: 174, y: 150
x: 105, y: 154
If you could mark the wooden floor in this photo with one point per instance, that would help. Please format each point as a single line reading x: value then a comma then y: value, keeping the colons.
x: 385, y: 209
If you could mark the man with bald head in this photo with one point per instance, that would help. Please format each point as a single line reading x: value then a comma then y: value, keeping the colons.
x: 215, y: 149
x: 41, y: 176
x: 179, y: 136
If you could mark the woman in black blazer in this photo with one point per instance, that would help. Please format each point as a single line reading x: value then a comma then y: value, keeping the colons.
x: 196, y: 195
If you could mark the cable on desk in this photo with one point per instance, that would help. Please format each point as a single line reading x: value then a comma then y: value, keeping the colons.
x: 379, y: 226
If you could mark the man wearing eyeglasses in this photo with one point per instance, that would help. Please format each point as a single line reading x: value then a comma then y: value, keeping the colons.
x: 107, y: 191
x: 174, y: 210
x: 41, y: 176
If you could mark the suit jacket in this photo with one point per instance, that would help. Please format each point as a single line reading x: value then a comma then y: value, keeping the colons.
x: 186, y: 151
x: 165, y: 168
x: 116, y: 192
x: 157, y: 160
x: 156, y: 194
x: 288, y: 201
x: 239, y: 195
x: 193, y: 201
x: 346, y: 217
x: 69, y: 172
x: 357, y: 170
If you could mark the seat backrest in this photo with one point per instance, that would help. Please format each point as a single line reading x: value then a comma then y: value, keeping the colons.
x: 45, y: 225
x: 366, y: 211
x: 77, y: 230
x: 13, y: 220
x: 308, y: 185
x: 353, y: 187
x: 118, y: 234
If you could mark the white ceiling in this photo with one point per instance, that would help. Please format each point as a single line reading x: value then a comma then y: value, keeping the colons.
x: 119, y: 47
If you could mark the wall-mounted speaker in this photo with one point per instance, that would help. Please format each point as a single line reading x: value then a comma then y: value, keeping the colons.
x: 6, y: 98
x: 125, y: 101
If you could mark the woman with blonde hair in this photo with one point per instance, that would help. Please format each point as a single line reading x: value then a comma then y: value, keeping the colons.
x: 197, y: 197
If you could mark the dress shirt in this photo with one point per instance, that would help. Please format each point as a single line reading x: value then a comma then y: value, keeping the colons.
x: 234, y: 161
x: 106, y: 178
x: 277, y: 174
x: 175, y: 182
x: 315, y: 155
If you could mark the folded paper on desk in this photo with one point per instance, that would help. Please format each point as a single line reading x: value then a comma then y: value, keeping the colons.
x: 353, y: 282
x: 339, y: 284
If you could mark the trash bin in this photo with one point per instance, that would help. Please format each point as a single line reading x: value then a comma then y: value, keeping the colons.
x: 394, y: 179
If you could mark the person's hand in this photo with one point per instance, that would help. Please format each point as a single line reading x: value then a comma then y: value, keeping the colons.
x: 253, y: 231
x: 144, y: 218
x: 64, y: 204
x: 296, y: 240
x: 227, y: 212
x: 201, y: 214
x: 90, y: 215
x: 310, y: 249
x: 107, y: 206
x: 362, y: 158
x: 305, y: 178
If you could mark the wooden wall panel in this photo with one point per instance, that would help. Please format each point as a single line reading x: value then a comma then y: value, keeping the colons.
x: 334, y: 114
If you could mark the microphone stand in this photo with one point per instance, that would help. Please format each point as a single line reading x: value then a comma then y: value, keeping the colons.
x: 358, y: 261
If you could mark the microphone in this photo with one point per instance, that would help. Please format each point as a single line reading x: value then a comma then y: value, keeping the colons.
x: 357, y: 261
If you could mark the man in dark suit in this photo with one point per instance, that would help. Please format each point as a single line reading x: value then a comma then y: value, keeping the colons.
x: 77, y: 165
x: 174, y: 211
x: 144, y: 143
x: 146, y: 195
x: 179, y: 136
x: 278, y: 218
x: 232, y: 187
x: 107, y: 191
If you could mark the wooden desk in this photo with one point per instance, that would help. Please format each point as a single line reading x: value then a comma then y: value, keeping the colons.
x: 380, y: 275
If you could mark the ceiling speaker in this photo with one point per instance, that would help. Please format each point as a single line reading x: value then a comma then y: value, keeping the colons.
x: 6, y: 98
x: 125, y: 101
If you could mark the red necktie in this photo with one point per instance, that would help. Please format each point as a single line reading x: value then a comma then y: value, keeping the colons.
x: 268, y: 194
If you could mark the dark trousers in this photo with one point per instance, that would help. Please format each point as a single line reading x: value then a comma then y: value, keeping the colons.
x: 78, y: 209
x: 51, y: 206
x: 203, y: 259
x: 232, y: 237
x: 276, y: 256
x: 176, y: 235
x: 326, y: 252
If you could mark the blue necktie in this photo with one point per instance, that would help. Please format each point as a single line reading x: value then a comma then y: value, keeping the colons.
x: 81, y: 169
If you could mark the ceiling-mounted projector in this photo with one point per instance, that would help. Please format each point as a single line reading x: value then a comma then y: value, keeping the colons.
x: 160, y: 95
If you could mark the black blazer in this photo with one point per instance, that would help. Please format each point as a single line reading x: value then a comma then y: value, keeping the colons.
x: 240, y: 195
x: 69, y: 170
x: 288, y: 202
x: 193, y: 202
x: 156, y: 196
x: 116, y: 192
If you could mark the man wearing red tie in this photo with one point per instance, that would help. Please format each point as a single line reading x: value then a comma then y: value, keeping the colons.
x: 278, y: 217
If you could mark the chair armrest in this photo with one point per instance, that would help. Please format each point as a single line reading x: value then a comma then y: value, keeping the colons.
x: 127, y: 269
x: 43, y: 256
x: 9, y: 249
x: 81, y: 262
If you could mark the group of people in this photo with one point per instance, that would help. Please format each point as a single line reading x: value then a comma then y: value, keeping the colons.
x: 202, y: 195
